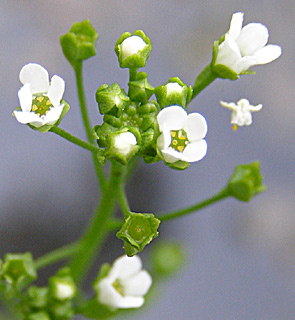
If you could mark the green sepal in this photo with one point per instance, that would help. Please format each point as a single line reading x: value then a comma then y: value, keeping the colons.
x: 19, y: 269
x: 37, y: 297
x: 138, y: 230
x: 61, y: 310
x: 175, y: 98
x: 246, y: 181
x: 40, y: 315
x: 79, y: 43
x: 137, y: 60
x: 102, y: 133
x: 140, y: 89
x: 178, y: 165
x: 92, y: 309
x: 111, y: 98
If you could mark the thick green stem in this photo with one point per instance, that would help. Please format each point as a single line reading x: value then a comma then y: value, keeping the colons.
x: 57, y: 255
x: 132, y: 74
x: 74, y: 139
x: 98, y: 227
x: 123, y: 201
x: 84, y: 112
x: 177, y: 214
x: 206, y: 77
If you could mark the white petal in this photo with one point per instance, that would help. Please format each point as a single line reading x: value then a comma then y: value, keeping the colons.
x: 53, y: 115
x: 131, y: 45
x: 236, y: 25
x: 195, y: 127
x: 171, y: 155
x: 228, y: 105
x: 253, y: 37
x: 130, y: 302
x: 228, y: 52
x: 173, y: 87
x: 195, y: 151
x: 137, y: 285
x: 25, y: 97
x: 171, y: 118
x: 28, y: 117
x: 108, y: 295
x: 125, y: 266
x: 36, y: 76
x: 244, y: 64
x: 56, y: 90
x: 268, y: 53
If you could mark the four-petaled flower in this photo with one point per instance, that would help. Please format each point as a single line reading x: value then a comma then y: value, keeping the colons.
x: 241, y: 112
x: 125, y: 285
x: 40, y: 100
x: 245, y: 47
x: 182, y: 135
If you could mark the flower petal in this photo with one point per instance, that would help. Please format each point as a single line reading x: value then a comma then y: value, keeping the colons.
x: 131, y: 45
x: 195, y: 151
x: 228, y: 52
x: 171, y: 118
x: 171, y: 155
x: 195, y: 127
x: 125, y: 266
x: 25, y: 97
x: 130, y: 302
x: 36, y: 76
x: 236, y: 25
x: 244, y: 64
x: 268, y: 53
x: 53, y: 115
x: 56, y: 90
x: 28, y: 117
x: 137, y: 285
x: 253, y: 37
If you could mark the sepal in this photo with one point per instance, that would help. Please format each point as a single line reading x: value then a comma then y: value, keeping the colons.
x: 140, y: 89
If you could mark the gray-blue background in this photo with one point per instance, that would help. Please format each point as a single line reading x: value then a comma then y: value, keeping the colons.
x: 240, y: 257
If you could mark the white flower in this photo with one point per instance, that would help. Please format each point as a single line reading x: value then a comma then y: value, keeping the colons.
x: 39, y: 99
x: 174, y: 87
x: 131, y: 45
x: 182, y: 135
x: 125, y: 285
x: 124, y: 143
x: 241, y: 112
x: 246, y: 47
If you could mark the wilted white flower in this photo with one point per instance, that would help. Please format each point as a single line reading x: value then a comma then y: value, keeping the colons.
x: 181, y: 135
x: 241, y: 112
x: 40, y: 100
x: 124, y: 143
x: 125, y: 285
x: 245, y: 47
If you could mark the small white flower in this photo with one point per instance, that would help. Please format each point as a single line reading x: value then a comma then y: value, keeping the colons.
x: 182, y: 135
x: 125, y: 285
x: 64, y: 291
x: 124, y: 143
x: 241, y: 112
x: 246, y: 47
x: 131, y: 45
x: 174, y: 87
x: 39, y: 99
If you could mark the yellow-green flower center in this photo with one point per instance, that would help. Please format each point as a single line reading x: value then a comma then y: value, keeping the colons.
x: 41, y: 105
x: 179, y: 140
x: 118, y: 287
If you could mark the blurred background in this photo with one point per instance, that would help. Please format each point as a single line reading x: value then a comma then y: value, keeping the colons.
x: 240, y: 258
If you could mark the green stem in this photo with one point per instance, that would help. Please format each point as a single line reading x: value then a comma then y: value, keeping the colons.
x: 73, y: 139
x: 115, y: 224
x: 177, y: 214
x: 57, y: 255
x: 132, y: 74
x: 80, y: 88
x: 206, y: 77
x: 98, y: 228
x: 123, y: 201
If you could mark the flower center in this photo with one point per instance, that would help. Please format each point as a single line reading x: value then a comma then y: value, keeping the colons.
x: 179, y: 140
x: 118, y: 287
x: 41, y: 105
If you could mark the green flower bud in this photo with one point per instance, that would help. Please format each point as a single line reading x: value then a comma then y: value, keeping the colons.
x: 19, y: 269
x: 246, y: 181
x: 37, y: 297
x: 173, y: 92
x: 62, y: 310
x: 133, y: 50
x: 138, y: 230
x: 140, y: 89
x: 62, y: 286
x: 167, y: 258
x: 79, y: 43
x: 111, y: 99
x: 38, y: 316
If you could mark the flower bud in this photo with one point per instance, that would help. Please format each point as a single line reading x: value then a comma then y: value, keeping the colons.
x: 62, y: 286
x: 173, y: 92
x: 37, y: 297
x: 111, y: 96
x: 19, y: 269
x: 62, y: 310
x: 138, y: 230
x: 79, y: 43
x: 38, y: 316
x: 140, y: 89
x: 133, y: 50
x: 246, y: 181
